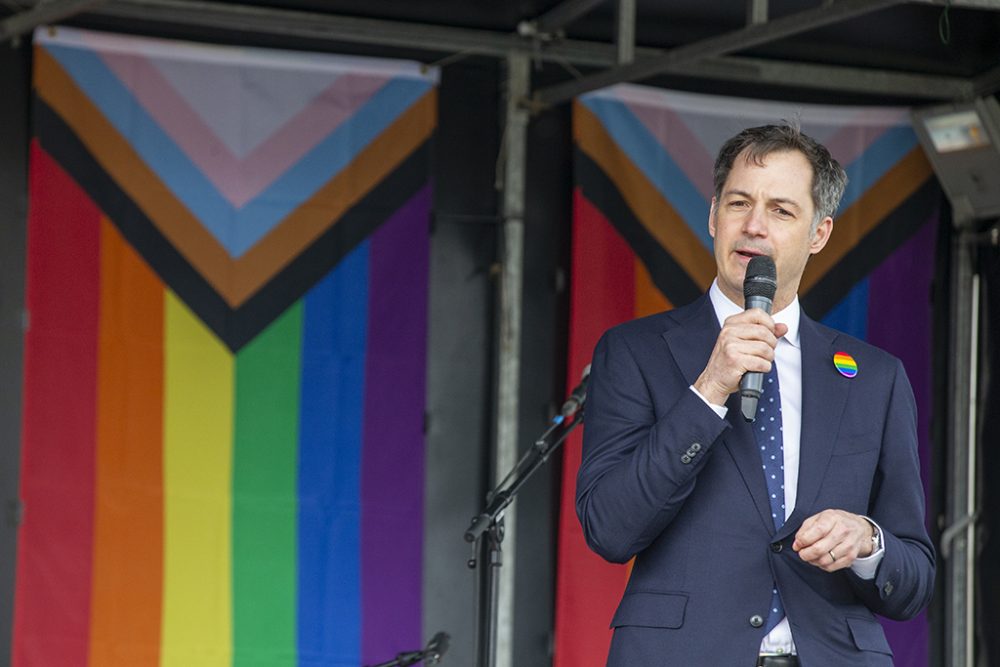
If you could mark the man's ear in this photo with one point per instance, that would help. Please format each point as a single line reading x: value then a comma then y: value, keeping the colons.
x: 821, y: 235
x: 711, y: 219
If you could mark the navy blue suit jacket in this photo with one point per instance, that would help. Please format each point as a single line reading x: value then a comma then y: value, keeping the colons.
x: 706, y: 551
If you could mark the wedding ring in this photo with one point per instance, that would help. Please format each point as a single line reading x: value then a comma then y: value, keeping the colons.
x: 832, y: 555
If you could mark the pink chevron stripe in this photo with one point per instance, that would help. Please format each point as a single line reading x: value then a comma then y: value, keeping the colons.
x: 240, y: 180
x: 303, y: 131
x: 676, y: 139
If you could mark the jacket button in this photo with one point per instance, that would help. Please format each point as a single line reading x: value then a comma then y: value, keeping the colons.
x: 695, y: 447
x: 776, y: 547
x: 887, y: 588
x: 685, y: 459
x: 756, y: 620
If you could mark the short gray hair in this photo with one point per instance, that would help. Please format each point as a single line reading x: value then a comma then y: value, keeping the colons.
x: 829, y: 179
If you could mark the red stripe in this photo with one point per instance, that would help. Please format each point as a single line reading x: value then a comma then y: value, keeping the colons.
x: 603, y: 294
x: 52, y: 599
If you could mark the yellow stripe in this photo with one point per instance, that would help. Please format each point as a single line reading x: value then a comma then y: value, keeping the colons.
x: 198, y: 435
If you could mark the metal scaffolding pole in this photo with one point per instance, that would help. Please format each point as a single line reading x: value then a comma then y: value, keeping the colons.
x: 737, y: 40
x: 336, y: 30
x: 562, y: 15
x: 42, y: 13
x: 958, y: 541
x: 625, y: 32
x: 756, y: 11
x: 514, y: 148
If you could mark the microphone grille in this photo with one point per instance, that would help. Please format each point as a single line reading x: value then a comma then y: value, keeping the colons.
x: 761, y: 278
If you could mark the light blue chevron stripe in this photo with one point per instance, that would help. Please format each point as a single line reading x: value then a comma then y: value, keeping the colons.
x: 237, y: 230
x: 656, y: 164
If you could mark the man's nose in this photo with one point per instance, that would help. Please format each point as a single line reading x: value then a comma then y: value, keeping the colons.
x: 755, y: 223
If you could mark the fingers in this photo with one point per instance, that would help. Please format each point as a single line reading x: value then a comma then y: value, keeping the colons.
x: 831, y: 540
x: 745, y: 343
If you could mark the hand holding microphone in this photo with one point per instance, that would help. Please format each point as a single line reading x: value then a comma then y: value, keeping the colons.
x: 746, y: 343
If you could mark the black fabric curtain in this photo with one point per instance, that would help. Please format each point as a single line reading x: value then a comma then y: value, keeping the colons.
x: 988, y: 593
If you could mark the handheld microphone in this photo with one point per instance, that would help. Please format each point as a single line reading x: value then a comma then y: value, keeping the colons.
x: 759, y: 286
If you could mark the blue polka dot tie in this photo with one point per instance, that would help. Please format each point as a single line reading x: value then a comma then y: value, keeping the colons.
x: 767, y: 428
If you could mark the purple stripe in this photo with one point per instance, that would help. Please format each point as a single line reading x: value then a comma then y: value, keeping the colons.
x: 901, y: 323
x: 392, y: 477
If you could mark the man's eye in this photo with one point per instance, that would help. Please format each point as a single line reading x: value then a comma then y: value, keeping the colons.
x: 783, y: 212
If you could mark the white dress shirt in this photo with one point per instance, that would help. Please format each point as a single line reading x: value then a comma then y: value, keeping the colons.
x: 788, y: 356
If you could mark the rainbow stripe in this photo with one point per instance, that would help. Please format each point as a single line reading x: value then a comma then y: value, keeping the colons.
x: 199, y: 497
x: 845, y: 364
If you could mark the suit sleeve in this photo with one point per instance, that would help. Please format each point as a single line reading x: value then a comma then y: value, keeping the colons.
x: 641, y: 455
x: 904, y: 583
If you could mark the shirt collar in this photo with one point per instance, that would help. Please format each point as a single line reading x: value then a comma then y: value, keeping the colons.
x: 789, y: 315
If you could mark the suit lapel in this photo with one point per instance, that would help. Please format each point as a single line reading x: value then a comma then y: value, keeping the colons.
x: 691, y: 345
x: 691, y: 342
x: 824, y: 397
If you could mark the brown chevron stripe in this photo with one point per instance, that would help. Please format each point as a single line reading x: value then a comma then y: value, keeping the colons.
x: 654, y: 212
x: 235, y: 280
x: 881, y: 199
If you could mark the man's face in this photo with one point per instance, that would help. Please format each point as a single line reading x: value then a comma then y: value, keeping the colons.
x: 766, y: 210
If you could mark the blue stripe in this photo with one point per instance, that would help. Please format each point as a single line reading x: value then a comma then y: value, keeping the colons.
x: 884, y: 153
x: 851, y: 314
x: 656, y: 164
x: 333, y: 367
x: 237, y: 230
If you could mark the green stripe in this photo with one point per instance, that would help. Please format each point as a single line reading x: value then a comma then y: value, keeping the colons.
x: 264, y: 495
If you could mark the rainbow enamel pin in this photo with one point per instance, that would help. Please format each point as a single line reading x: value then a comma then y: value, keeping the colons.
x: 845, y: 364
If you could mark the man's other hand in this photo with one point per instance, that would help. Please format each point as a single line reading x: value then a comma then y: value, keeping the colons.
x: 833, y: 539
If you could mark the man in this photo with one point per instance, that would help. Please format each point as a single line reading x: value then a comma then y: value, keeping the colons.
x: 773, y: 542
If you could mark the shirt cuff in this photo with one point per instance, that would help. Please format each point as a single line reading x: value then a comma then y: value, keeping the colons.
x: 720, y: 410
x: 867, y: 567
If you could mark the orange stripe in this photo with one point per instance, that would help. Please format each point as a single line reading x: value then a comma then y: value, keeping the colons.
x: 234, y: 279
x: 128, y: 523
x: 895, y: 187
x: 648, y: 298
x: 651, y: 208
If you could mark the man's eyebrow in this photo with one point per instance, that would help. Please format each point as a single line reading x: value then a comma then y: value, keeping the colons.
x: 786, y: 201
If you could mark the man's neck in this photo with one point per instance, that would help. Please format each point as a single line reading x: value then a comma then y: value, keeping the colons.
x: 781, y: 301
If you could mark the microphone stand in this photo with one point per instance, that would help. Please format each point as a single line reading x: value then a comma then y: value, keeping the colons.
x: 432, y: 654
x: 486, y: 529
